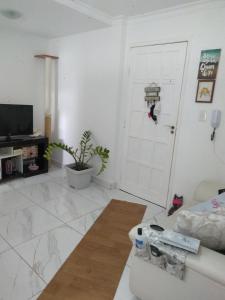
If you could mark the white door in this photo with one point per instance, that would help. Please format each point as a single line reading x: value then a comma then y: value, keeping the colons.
x: 148, y: 152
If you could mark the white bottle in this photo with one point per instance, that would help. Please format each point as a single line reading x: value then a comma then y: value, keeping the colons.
x: 141, y: 244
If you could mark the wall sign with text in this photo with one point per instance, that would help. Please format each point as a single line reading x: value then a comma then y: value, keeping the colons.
x: 209, y: 63
x: 208, y: 67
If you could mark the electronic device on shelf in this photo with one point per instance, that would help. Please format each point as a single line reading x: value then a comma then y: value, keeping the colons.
x: 16, y: 121
x: 21, y: 153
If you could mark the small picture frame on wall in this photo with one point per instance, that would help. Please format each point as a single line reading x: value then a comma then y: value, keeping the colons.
x: 205, y: 91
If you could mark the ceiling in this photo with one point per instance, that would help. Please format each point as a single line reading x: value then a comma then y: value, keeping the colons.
x: 51, y: 18
x: 133, y: 7
x: 55, y: 18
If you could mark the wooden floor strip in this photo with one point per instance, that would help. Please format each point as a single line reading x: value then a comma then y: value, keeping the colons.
x: 93, y: 270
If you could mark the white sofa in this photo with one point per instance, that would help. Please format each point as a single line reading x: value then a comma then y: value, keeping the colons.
x: 205, y: 273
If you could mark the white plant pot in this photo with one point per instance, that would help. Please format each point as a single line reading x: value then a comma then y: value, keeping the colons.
x: 78, y: 179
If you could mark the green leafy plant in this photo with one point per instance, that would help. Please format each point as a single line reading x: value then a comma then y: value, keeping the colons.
x: 83, y: 154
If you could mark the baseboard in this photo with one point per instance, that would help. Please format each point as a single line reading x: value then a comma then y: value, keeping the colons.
x: 104, y: 183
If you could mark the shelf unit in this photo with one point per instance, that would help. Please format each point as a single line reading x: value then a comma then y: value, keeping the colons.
x: 17, y: 155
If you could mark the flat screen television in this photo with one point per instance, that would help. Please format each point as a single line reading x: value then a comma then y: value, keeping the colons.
x: 16, y: 120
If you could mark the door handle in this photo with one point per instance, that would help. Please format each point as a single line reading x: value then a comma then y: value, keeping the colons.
x: 172, y: 128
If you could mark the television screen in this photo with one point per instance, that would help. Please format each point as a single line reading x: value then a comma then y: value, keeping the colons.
x: 16, y: 119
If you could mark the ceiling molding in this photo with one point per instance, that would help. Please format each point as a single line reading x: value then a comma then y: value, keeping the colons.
x: 185, y: 8
x: 119, y: 20
x: 87, y: 10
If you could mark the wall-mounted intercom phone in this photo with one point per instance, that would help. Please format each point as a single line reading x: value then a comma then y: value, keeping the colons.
x: 215, y: 122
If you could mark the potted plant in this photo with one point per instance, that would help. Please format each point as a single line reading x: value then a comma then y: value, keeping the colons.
x: 79, y: 173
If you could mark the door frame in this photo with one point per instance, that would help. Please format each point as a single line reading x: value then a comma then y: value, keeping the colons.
x: 126, y: 106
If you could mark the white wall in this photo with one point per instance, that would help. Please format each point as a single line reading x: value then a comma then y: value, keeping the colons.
x: 203, y: 28
x: 90, y: 71
x: 21, y: 75
x: 89, y: 80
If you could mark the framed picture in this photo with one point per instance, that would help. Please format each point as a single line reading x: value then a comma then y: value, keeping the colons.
x: 205, y: 91
x: 209, y: 63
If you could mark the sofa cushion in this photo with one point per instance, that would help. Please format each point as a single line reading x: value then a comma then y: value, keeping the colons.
x: 208, y: 227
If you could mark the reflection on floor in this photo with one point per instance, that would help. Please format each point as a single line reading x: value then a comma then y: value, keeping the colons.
x: 41, y: 222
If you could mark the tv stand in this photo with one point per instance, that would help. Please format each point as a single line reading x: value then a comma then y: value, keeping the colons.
x: 11, y: 138
x: 8, y: 138
x: 22, y: 157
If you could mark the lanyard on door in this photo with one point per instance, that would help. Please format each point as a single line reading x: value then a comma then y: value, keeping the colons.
x: 153, y: 101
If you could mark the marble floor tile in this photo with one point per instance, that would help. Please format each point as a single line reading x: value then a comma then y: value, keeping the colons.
x: 84, y: 223
x: 17, y: 280
x: 22, y: 182
x: 58, y: 173
x: 151, y: 209
x: 69, y: 206
x: 46, y: 253
x: 62, y: 181
x: 41, y: 239
x: 96, y: 193
x: 5, y: 187
x: 24, y: 224
x: 36, y: 296
x: 44, y: 192
x: 123, y: 291
x: 120, y: 195
x: 12, y: 200
x: 3, y: 246
x: 60, y: 177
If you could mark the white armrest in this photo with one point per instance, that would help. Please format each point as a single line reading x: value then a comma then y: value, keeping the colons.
x: 209, y: 263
